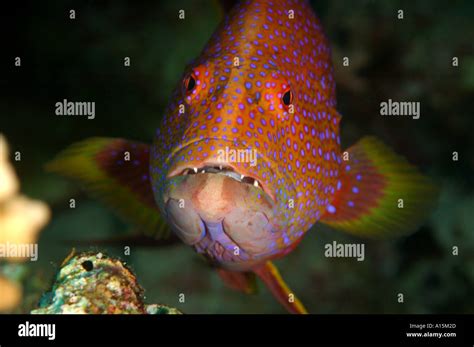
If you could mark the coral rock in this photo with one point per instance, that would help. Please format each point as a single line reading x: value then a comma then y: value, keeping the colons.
x: 98, y: 284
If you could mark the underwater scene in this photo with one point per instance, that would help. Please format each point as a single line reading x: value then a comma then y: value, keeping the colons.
x: 235, y: 157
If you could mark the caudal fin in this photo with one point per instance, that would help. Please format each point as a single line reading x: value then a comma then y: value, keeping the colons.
x: 380, y: 194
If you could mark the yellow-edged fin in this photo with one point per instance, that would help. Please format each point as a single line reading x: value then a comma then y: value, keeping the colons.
x: 380, y: 194
x: 115, y: 171
x: 270, y: 275
x: 241, y: 281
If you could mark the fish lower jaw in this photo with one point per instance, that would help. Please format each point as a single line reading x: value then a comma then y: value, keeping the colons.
x: 225, y: 256
x: 218, y: 240
x: 217, y: 253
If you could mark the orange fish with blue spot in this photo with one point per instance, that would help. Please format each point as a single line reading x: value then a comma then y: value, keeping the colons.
x: 247, y: 157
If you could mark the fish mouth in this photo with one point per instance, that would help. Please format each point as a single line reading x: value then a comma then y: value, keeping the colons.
x: 222, y: 169
x: 229, y: 169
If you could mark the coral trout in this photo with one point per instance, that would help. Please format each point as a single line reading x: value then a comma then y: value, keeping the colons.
x: 248, y: 157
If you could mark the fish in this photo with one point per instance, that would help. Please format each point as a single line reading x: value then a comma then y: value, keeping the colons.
x: 247, y: 157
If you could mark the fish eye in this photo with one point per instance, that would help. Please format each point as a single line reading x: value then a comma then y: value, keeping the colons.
x: 287, y: 98
x: 189, y: 83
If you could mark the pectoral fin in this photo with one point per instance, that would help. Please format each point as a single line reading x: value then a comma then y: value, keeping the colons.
x: 269, y: 274
x: 116, y: 172
x: 380, y: 194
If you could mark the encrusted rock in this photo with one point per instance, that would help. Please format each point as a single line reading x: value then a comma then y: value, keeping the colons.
x: 97, y: 284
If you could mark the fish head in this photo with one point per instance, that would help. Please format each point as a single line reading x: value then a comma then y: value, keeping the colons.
x: 216, y: 161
